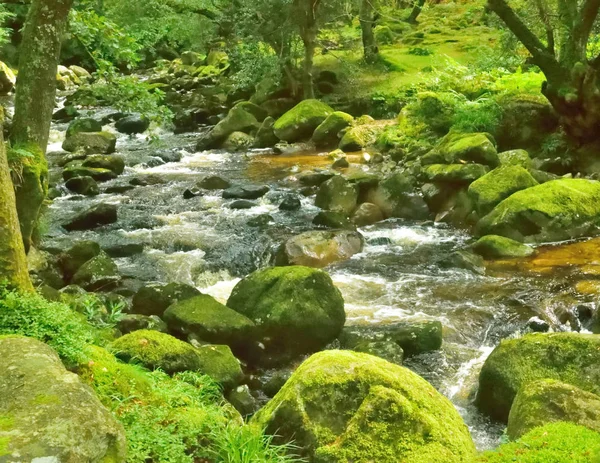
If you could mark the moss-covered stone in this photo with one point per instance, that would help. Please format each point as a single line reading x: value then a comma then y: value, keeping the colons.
x: 327, y: 133
x: 155, y: 298
x: 494, y: 187
x: 210, y: 321
x: 568, y: 357
x: 91, y: 143
x: 454, y: 173
x: 98, y: 273
x: 300, y: 122
x: 553, y: 443
x: 546, y: 401
x: 77, y: 255
x: 456, y: 148
x: 115, y: 164
x: 338, y: 195
x: 359, y: 137
x: 265, y: 137
x: 133, y: 124
x: 85, y: 124
x: 320, y: 248
x: 554, y: 211
x: 238, y: 141
x: 237, y: 120
x: 86, y: 186
x: 48, y: 414
x: 296, y: 309
x: 515, y: 158
x: 367, y: 214
x: 95, y: 216
x: 259, y: 113
x: 219, y: 363
x: 498, y: 247
x: 342, y: 407
x: 98, y: 174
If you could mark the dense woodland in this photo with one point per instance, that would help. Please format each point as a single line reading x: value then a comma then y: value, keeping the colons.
x: 321, y: 231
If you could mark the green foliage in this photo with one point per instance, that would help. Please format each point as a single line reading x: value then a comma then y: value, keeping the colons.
x: 100, y: 314
x: 254, y: 62
x: 4, y: 33
x: 53, y: 323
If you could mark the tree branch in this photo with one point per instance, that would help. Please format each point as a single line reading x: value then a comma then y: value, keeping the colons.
x: 588, y: 15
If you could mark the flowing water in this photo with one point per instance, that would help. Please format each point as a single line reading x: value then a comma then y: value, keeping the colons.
x: 202, y: 242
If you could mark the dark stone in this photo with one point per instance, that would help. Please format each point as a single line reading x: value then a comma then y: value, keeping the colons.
x: 245, y: 192
x: 133, y: 124
x: 65, y: 114
x: 214, y: 182
x: 154, y: 299
x: 243, y: 401
x: 118, y: 189
x: 261, y: 220
x: 192, y: 193
x: 464, y: 260
x: 95, y: 216
x: 124, y: 250
x: 86, y: 186
x: 538, y: 325
x: 315, y: 178
x: 290, y: 203
x: 136, y: 322
x: 242, y: 204
x: 332, y: 219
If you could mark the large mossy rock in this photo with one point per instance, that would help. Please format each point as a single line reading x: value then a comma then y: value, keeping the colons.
x: 238, y: 141
x: 320, y: 248
x: 85, y: 124
x: 297, y: 310
x: 338, y: 195
x: 300, y: 122
x: 47, y: 414
x: 343, y: 407
x: 396, y: 196
x: 155, y: 298
x: 327, y: 133
x: 359, y: 137
x: 546, y: 401
x: 457, y: 148
x: 99, y: 174
x: 98, y: 273
x: 459, y: 174
x: 237, y: 120
x: 568, y: 357
x: 553, y: 443
x: 91, y: 143
x: 499, y: 247
x: 113, y: 163
x: 210, y: 321
x: 554, y: 211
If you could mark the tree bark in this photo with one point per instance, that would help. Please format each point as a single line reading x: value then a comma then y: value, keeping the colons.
x: 308, y: 10
x: 367, y: 23
x: 13, y: 262
x: 34, y: 104
x: 416, y: 11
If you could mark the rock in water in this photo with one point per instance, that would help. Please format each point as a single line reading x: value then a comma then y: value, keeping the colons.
x: 154, y: 299
x: 91, y: 143
x: 342, y: 406
x: 300, y: 122
x: 95, y: 216
x: 297, y: 310
x: 320, y: 248
x: 338, y: 195
x: 47, y: 414
x: 86, y: 186
x: 133, y: 124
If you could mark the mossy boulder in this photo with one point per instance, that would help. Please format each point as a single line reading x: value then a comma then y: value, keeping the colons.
x: 97, y: 173
x: 265, y: 137
x: 494, y: 187
x: 49, y: 414
x: 95, y: 216
x: 98, y: 273
x: 331, y: 219
x: 554, y: 443
x: 343, y: 407
x: 359, y: 137
x: 237, y: 120
x: 367, y: 214
x: 396, y: 196
x: 155, y: 298
x: 86, y: 186
x: 297, y: 310
x: 91, y: 143
x: 300, y: 122
x: 77, y: 255
x: 210, y: 321
x: 327, y: 133
x: 85, y: 124
x: 499, y: 247
x: 238, y: 141
x: 546, y: 401
x: 220, y: 364
x: 338, y: 195
x: 556, y: 210
x: 456, y: 148
x: 320, y: 248
x: 515, y: 158
x: 259, y: 113
x: 454, y: 173
x: 115, y: 164
x: 568, y: 357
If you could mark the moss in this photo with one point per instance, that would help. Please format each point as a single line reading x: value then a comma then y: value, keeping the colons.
x: 153, y: 349
x: 237, y: 120
x: 494, y: 187
x: 568, y: 357
x: 4, y: 444
x: 454, y: 173
x: 556, y: 210
x: 98, y: 174
x: 210, y: 321
x: 91, y: 143
x: 326, y: 134
x: 113, y: 163
x: 84, y: 125
x: 219, y: 363
x: 7, y: 422
x: 498, y: 247
x: 515, y: 158
x: 360, y: 137
x: 46, y: 399
x: 300, y: 122
x: 454, y: 148
x: 338, y: 195
x: 553, y: 443
x: 238, y: 141
x: 342, y: 406
x: 541, y: 402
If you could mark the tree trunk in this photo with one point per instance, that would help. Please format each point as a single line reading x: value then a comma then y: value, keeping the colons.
x: 367, y: 23
x: 416, y: 11
x: 308, y: 87
x: 34, y: 104
x: 13, y: 262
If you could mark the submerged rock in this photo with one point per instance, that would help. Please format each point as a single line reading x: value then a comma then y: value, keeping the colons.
x: 320, y: 248
x: 300, y: 122
x: 297, y: 310
x: 342, y: 406
x: 498, y: 247
x: 95, y: 216
x: 47, y: 414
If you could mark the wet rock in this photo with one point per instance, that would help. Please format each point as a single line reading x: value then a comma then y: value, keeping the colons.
x: 98, y: 273
x: 113, y: 163
x: 91, y: 143
x: 86, y: 186
x: 296, y: 309
x: 238, y: 141
x: 341, y: 163
x: 359, y: 137
x: 464, y: 260
x: 124, y: 250
x: 243, y: 401
x: 567, y: 357
x: 454, y: 173
x: 86, y: 124
x: 245, y: 192
x: 214, y: 182
x: 192, y: 193
x: 457, y: 148
x: 290, y: 203
x: 237, y: 120
x: 537, y: 325
x: 327, y: 133
x: 66, y: 114
x: 300, y: 122
x: 391, y: 406
x: 276, y: 381
x: 147, y: 180
x: 338, y: 195
x: 98, y: 174
x: 259, y: 113
x: 95, y: 216
x: 135, y: 322
x: 210, y: 321
x: 367, y: 214
x: 265, y: 137
x: 396, y: 196
x: 515, y: 158
x: 118, y: 189
x: 336, y: 220
x: 498, y: 247
x: 77, y: 255
x: 320, y: 248
x: 133, y: 124
x: 242, y: 204
x: 154, y: 299
x: 261, y: 220
x: 48, y: 413
x: 387, y: 350
x: 315, y: 178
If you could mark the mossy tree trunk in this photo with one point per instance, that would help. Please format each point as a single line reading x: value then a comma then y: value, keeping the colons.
x: 13, y: 262
x: 307, y: 15
x: 416, y: 11
x: 572, y: 79
x: 34, y: 104
x: 367, y: 24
